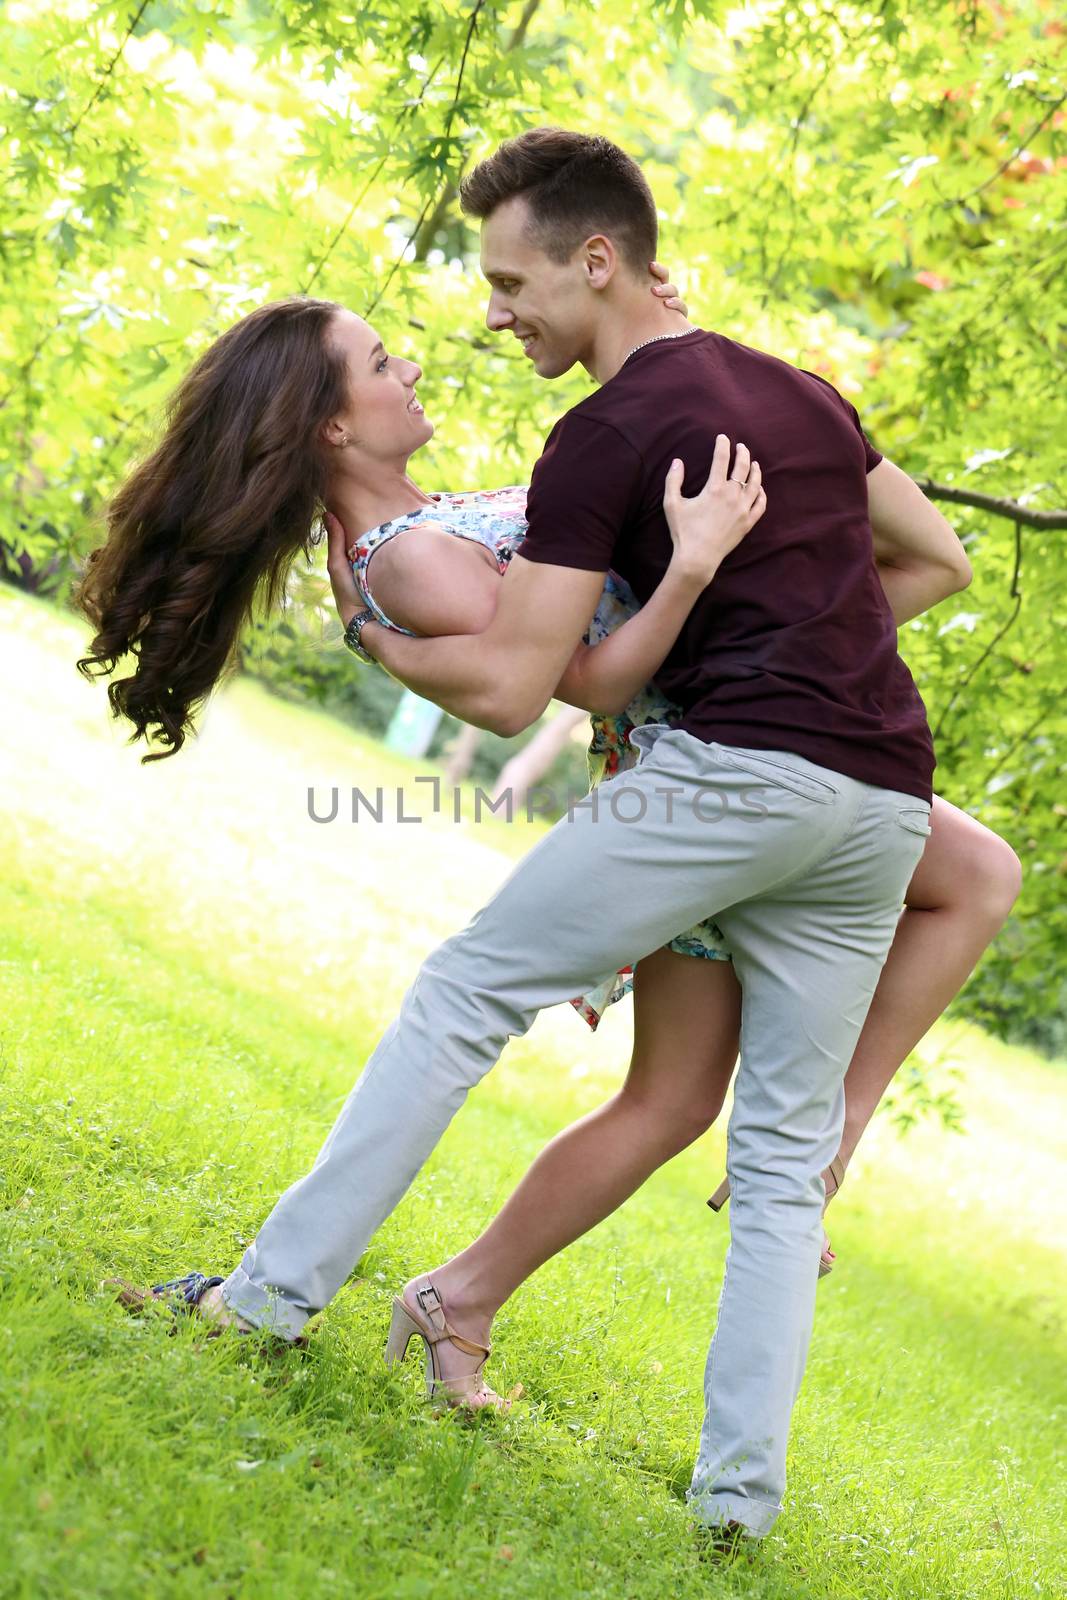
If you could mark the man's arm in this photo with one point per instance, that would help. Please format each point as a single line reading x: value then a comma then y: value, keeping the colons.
x: 920, y: 560
x: 704, y: 529
x: 584, y: 486
x: 502, y: 678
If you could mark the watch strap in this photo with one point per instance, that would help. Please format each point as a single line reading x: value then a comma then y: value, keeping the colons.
x: 354, y: 635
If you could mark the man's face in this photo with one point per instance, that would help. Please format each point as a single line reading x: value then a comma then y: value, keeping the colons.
x: 550, y: 307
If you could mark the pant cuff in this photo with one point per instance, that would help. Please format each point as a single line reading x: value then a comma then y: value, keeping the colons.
x: 757, y: 1517
x: 263, y: 1307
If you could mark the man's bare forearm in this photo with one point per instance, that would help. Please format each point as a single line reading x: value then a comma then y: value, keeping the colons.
x: 913, y: 590
x: 455, y: 671
x: 919, y: 556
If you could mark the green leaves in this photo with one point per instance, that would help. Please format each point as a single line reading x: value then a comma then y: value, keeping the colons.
x: 878, y: 195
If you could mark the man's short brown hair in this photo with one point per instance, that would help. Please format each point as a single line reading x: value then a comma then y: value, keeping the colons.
x: 575, y: 185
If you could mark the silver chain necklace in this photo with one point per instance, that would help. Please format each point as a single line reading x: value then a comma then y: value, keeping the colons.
x: 655, y: 340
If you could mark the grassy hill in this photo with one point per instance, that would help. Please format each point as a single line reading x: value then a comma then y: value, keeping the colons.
x: 192, y: 972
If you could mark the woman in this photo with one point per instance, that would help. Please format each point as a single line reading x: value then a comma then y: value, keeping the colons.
x: 299, y: 406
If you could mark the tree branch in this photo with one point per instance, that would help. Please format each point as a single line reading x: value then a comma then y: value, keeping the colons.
x: 109, y: 69
x: 472, y: 28
x: 354, y: 207
x: 357, y: 202
x: 1017, y: 595
x: 801, y: 117
x: 529, y: 11
x: 1019, y: 514
x: 423, y: 236
x: 1004, y: 165
x: 426, y: 233
x: 1003, y: 759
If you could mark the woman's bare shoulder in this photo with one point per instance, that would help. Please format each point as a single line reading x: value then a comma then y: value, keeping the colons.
x: 428, y: 580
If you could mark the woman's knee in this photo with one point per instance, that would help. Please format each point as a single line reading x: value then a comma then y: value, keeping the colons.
x: 966, y: 868
x: 672, y: 1121
x: 994, y: 876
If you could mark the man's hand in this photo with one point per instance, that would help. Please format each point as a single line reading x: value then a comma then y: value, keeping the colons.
x: 346, y: 596
x: 664, y: 290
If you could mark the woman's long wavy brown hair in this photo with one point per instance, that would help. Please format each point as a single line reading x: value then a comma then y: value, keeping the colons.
x: 214, y: 518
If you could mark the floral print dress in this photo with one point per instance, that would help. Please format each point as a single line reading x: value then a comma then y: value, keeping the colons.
x: 496, y: 518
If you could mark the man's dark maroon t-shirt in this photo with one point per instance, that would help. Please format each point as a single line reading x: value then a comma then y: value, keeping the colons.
x: 793, y: 646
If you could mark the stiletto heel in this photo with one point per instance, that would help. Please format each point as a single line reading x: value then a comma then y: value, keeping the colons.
x: 428, y: 1322
x: 837, y: 1172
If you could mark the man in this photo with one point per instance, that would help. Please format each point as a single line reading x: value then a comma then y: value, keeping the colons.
x: 792, y: 689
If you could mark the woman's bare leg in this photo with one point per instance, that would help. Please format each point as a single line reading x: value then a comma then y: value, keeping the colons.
x: 686, y: 1019
x: 960, y: 896
x: 686, y: 1015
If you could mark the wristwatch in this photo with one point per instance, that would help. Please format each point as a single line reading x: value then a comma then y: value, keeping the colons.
x: 353, y: 633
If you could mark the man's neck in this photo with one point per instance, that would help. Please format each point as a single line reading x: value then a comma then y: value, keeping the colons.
x: 360, y: 504
x: 627, y: 327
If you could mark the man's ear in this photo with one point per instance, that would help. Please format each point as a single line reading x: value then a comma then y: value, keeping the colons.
x: 600, y: 261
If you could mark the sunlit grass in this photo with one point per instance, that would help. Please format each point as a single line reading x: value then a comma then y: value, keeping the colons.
x: 192, y: 973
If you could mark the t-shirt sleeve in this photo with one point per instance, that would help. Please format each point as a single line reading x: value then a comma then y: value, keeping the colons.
x: 873, y: 455
x: 585, y: 487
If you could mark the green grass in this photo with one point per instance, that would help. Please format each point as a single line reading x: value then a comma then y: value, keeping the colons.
x: 191, y: 975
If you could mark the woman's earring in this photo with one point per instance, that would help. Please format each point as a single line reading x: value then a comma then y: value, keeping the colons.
x: 343, y: 440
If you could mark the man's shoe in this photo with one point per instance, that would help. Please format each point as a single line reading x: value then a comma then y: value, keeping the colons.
x: 722, y: 1542
x: 182, y: 1297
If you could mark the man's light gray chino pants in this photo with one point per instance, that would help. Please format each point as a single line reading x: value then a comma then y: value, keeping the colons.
x: 805, y: 870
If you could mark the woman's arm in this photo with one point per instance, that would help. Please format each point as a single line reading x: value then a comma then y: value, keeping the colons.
x: 704, y: 528
x: 605, y: 677
x: 501, y: 677
x: 458, y: 665
x: 436, y: 584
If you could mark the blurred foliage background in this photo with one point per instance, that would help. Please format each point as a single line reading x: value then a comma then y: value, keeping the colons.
x: 876, y: 192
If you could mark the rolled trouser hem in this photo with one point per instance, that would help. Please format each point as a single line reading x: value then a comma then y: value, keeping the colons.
x: 264, y: 1307
x: 757, y: 1517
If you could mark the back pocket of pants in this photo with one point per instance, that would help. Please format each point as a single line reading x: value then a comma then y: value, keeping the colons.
x: 776, y: 774
x: 916, y: 819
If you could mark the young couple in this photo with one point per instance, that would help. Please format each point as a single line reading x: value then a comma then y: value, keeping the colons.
x: 761, y: 858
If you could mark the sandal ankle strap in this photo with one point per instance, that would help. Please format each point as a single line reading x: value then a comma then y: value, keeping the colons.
x: 432, y: 1307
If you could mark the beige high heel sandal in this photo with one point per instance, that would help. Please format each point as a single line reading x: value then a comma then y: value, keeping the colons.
x: 837, y: 1172
x: 429, y: 1322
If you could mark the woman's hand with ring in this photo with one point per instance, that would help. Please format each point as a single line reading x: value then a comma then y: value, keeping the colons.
x: 705, y: 527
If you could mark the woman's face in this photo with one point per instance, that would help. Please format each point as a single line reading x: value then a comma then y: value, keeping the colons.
x: 382, y: 419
